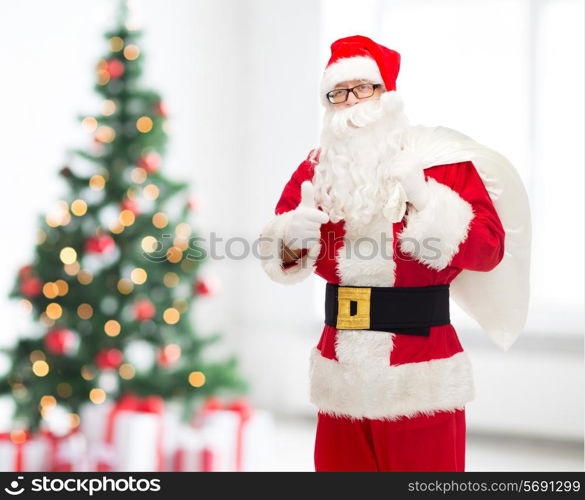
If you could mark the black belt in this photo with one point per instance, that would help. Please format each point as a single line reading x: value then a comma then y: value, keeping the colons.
x: 407, y: 310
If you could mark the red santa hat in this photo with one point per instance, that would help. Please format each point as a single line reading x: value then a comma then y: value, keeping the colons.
x: 359, y: 57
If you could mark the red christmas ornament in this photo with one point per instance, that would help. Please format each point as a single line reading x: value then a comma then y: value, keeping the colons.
x: 169, y: 355
x: 109, y: 359
x: 205, y: 286
x: 150, y: 162
x: 160, y: 109
x: 31, y: 287
x: 144, y: 310
x: 25, y: 271
x: 194, y: 203
x: 99, y: 244
x: 128, y: 204
x: 115, y: 68
x: 61, y: 341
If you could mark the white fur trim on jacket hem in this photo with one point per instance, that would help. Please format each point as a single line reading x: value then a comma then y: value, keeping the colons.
x: 270, y: 247
x: 349, y: 68
x: 433, y: 235
x: 390, y: 392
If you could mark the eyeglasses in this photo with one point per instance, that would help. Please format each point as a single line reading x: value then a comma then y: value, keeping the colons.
x: 361, y: 91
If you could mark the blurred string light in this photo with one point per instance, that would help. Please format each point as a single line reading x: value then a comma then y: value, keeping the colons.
x: 75, y: 420
x: 125, y: 286
x: 116, y: 44
x: 160, y: 220
x: 138, y: 175
x: 151, y: 192
x: 26, y: 305
x: 37, y: 355
x: 171, y: 316
x: 85, y: 311
x: 40, y: 368
x: 144, y: 124
x: 174, y: 254
x: 45, y: 320
x: 116, y: 227
x: 139, y: 276
x: 183, y: 230
x: 68, y: 255
x: 103, y: 75
x: 84, y: 277
x: 112, y: 328
x: 64, y: 389
x: 181, y: 243
x: 72, y: 269
x: 171, y: 279
x: 181, y: 305
x: 18, y: 437
x: 108, y: 107
x: 47, y: 402
x: 127, y: 371
x: 97, y: 396
x: 54, y: 310
x: 131, y: 52
x: 149, y: 244
x: 79, y: 208
x: 89, y: 124
x: 105, y: 133
x: 59, y: 215
x: 97, y: 182
x: 41, y: 237
x: 87, y: 373
x: 54, y: 289
x: 197, y: 379
x: 50, y: 290
x: 127, y: 217
x: 63, y: 287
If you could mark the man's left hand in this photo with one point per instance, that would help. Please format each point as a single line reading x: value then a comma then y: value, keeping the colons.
x: 408, y: 169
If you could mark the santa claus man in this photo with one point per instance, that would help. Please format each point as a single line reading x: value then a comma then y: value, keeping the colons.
x: 397, y: 219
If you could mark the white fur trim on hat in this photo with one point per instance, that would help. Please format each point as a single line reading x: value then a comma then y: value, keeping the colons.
x: 349, y: 68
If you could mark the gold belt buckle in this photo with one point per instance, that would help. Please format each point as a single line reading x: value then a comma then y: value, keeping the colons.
x: 360, y: 320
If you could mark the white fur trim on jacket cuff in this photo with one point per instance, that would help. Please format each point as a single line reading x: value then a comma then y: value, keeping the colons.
x: 390, y: 392
x: 433, y: 235
x: 270, y: 253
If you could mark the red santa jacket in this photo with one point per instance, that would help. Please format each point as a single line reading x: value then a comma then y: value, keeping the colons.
x: 382, y: 375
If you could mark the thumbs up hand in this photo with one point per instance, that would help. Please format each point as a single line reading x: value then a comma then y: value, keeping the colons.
x: 304, y: 228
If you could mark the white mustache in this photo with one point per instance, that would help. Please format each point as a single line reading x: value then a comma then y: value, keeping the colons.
x: 345, y: 120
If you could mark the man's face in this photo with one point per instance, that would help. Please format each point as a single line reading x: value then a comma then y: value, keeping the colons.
x: 351, y: 98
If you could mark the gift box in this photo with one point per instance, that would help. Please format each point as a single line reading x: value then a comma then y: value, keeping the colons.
x: 126, y: 436
x: 193, y: 453
x: 236, y: 436
x: 66, y: 453
x: 21, y: 451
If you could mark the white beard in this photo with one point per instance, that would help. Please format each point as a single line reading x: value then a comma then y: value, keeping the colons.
x: 353, y: 178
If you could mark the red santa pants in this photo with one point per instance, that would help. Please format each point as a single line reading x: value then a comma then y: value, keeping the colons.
x: 421, y: 443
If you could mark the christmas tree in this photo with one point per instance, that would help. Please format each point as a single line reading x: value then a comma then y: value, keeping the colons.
x: 115, y: 271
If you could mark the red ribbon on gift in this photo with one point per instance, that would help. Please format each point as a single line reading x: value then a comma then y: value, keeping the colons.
x: 131, y: 402
x: 23, y: 437
x: 244, y: 411
x: 206, y: 463
x: 54, y: 441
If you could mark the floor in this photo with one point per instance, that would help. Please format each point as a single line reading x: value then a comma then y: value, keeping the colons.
x: 294, y: 448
